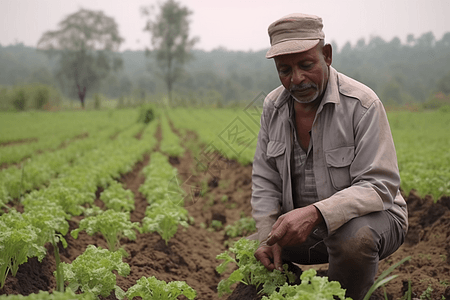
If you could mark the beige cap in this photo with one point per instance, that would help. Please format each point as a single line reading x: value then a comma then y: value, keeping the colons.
x: 294, y: 33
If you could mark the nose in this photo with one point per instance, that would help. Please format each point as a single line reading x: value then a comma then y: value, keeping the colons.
x: 297, y: 76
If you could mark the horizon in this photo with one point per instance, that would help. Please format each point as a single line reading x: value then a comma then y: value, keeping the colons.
x: 222, y: 48
x: 235, y: 25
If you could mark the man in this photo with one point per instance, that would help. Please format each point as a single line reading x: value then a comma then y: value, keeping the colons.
x: 325, y: 174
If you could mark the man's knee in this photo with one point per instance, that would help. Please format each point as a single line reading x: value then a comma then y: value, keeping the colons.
x: 357, y: 245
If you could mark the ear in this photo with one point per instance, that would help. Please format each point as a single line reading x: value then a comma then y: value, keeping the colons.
x: 327, y: 52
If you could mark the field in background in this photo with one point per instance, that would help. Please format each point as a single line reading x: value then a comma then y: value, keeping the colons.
x: 422, y: 141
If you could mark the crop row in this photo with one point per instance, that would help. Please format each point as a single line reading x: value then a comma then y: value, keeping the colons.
x: 47, y: 210
x: 64, y: 197
x: 41, y: 169
x: 31, y: 133
x: 170, y: 143
x: 232, y: 133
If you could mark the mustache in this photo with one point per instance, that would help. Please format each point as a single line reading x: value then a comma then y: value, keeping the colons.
x: 301, y: 87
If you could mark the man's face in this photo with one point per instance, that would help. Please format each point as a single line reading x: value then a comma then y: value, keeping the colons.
x: 305, y: 74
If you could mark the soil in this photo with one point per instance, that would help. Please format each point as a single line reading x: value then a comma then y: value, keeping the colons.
x: 18, y: 142
x: 190, y: 254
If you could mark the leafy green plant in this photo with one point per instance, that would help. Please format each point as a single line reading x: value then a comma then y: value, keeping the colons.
x: 19, y: 239
x: 117, y: 198
x: 312, y: 287
x: 250, y: 271
x: 113, y: 225
x: 170, y: 143
x: 315, y: 287
x: 146, y: 113
x: 4, y: 198
x: 161, y: 181
x: 216, y: 224
x: 164, y: 218
x: 149, y: 288
x: 426, y: 295
x: 92, y: 272
x: 51, y: 219
x: 241, y: 227
x: 69, y: 198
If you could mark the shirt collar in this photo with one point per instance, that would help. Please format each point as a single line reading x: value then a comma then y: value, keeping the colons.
x: 331, y: 94
x: 282, y: 99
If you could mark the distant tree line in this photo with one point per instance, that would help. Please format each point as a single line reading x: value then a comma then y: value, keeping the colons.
x: 400, y: 73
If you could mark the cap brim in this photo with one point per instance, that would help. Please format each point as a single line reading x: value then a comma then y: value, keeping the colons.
x: 291, y: 46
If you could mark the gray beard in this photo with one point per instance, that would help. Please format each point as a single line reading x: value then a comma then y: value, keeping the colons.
x: 303, y: 101
x: 302, y: 87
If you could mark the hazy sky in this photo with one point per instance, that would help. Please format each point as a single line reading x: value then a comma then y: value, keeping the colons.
x: 235, y: 24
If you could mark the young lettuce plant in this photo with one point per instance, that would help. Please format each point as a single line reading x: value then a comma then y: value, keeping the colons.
x: 18, y: 241
x: 241, y: 227
x: 4, y: 198
x: 111, y: 224
x: 157, y: 185
x: 149, y: 288
x: 164, y: 218
x: 117, y: 198
x: 51, y: 219
x: 250, y: 271
x: 92, y: 272
x: 69, y: 198
x: 312, y: 287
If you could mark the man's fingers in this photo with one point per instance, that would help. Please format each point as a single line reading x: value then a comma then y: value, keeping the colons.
x: 267, y: 263
x: 277, y: 258
x: 263, y: 256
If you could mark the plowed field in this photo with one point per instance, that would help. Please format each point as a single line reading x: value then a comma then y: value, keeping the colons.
x: 190, y: 255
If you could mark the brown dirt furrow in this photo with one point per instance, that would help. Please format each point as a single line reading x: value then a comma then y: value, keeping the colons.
x: 19, y: 142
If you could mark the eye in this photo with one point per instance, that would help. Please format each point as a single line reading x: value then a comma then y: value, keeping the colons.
x: 284, y: 71
x: 307, y: 65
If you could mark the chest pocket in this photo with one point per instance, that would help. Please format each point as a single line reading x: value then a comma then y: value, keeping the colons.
x: 276, y: 150
x: 338, y: 163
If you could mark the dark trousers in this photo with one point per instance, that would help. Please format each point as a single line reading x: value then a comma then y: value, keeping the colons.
x: 353, y: 251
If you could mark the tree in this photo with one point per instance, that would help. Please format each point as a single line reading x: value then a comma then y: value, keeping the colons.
x: 410, y: 40
x: 170, y: 40
x: 426, y: 40
x: 443, y: 85
x: 86, y: 44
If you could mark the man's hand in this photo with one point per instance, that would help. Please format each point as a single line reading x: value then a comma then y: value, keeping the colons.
x: 270, y: 257
x: 294, y: 227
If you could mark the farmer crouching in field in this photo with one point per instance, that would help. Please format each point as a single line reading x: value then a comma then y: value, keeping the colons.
x: 325, y: 174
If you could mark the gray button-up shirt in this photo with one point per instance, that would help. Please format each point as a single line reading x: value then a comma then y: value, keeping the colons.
x: 304, y: 190
x: 354, y: 159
